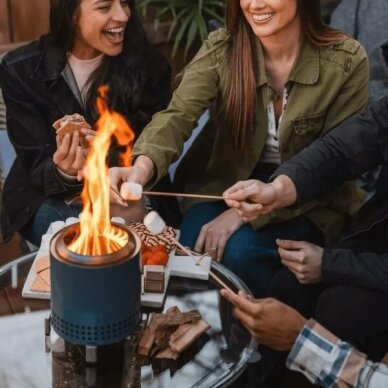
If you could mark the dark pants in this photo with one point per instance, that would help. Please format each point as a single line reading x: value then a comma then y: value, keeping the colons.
x: 356, y: 315
x: 250, y: 254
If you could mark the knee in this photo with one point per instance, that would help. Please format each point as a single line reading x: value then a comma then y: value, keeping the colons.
x: 193, y: 220
x: 282, y: 285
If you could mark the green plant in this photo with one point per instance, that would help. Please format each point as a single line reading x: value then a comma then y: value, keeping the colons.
x: 189, y: 18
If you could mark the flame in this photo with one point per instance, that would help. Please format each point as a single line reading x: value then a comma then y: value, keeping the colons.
x: 97, y: 235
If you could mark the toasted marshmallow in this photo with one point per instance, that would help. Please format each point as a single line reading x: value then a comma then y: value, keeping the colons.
x: 154, y: 223
x: 131, y: 191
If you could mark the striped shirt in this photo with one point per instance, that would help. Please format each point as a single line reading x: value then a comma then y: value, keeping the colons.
x: 329, y: 362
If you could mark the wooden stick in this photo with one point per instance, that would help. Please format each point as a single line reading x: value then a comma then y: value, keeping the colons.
x: 167, y: 194
x: 198, y: 262
x: 183, y: 195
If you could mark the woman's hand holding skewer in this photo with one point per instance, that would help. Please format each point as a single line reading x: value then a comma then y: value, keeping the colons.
x: 141, y: 172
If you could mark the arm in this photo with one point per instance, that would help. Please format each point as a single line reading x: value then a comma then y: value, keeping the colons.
x: 366, y: 270
x: 162, y: 140
x: 351, y: 149
x: 329, y: 362
x: 32, y: 135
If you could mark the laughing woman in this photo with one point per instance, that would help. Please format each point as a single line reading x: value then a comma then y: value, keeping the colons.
x: 275, y: 79
x: 91, y: 43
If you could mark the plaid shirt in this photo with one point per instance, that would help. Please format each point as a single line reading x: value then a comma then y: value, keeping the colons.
x: 327, y: 361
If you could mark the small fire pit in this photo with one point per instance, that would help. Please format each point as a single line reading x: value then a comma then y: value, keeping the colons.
x: 95, y: 299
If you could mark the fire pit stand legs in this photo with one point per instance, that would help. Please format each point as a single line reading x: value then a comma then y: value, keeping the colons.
x: 90, y: 354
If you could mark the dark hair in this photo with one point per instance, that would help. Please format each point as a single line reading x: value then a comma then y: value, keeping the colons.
x: 239, y: 84
x: 124, y: 73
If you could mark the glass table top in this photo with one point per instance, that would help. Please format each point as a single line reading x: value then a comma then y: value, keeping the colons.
x: 216, y: 359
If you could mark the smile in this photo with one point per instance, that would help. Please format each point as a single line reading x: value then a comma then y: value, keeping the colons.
x: 263, y: 17
x: 114, y: 34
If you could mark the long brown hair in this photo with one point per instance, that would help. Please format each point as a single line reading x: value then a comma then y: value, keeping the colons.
x: 239, y: 82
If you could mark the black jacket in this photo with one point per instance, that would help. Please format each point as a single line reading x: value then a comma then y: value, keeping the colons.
x: 36, y: 94
x: 355, y: 147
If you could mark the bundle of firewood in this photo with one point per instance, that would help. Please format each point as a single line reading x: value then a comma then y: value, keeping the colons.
x: 169, y: 334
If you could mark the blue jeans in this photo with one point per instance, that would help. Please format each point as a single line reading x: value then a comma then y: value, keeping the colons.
x: 250, y: 254
x: 50, y: 211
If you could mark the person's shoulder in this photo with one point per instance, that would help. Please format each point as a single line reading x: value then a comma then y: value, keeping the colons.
x: 346, y: 46
x: 218, y: 36
x: 22, y: 53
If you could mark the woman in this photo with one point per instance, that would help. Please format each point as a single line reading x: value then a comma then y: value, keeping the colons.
x: 91, y: 43
x: 275, y: 79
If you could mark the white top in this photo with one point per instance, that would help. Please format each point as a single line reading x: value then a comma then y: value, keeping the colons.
x: 271, y: 152
x: 82, y: 68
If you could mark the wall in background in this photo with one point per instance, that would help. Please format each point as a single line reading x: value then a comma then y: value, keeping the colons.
x: 22, y: 20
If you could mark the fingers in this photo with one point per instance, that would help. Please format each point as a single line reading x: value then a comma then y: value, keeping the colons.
x: 241, y: 191
x: 221, y: 247
x: 294, y: 266
x: 69, y: 156
x: 114, y: 197
x: 241, y: 301
x: 293, y: 256
x: 291, y: 244
x: 249, y: 211
x: 200, y: 243
x: 238, y: 189
x: 115, y: 176
x: 87, y: 136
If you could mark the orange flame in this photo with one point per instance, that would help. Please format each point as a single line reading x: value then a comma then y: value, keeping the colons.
x: 97, y: 235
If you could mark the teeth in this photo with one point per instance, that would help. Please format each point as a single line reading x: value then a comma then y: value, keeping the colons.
x: 260, y: 18
x: 115, y: 30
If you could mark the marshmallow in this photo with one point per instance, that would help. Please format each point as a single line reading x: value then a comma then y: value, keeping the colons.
x: 154, y: 223
x: 131, y: 191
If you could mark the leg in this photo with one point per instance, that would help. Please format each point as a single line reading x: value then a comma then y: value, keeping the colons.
x: 197, y: 216
x: 51, y: 210
x: 356, y: 315
x: 251, y: 254
x: 286, y: 288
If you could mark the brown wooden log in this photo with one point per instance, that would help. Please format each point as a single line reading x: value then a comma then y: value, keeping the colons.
x: 184, y: 341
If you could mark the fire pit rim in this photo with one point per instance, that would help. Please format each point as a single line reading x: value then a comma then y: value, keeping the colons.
x: 61, y: 252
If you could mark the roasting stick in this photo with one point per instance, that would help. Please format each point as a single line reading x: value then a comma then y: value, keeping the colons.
x: 133, y: 191
x: 166, y: 194
x: 155, y: 224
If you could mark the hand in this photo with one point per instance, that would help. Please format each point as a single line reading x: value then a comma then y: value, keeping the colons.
x: 86, y: 138
x: 215, y: 234
x: 269, y: 321
x: 252, y: 198
x: 303, y: 259
x: 133, y: 211
x: 141, y: 172
x: 69, y: 157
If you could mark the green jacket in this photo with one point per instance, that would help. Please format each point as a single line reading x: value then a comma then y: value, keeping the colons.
x: 327, y: 85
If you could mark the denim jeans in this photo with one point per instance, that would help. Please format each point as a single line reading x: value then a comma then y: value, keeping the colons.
x: 250, y: 254
x: 50, y: 211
